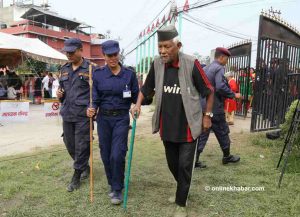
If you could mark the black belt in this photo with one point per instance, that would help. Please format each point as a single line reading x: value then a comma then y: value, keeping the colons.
x: 113, y: 112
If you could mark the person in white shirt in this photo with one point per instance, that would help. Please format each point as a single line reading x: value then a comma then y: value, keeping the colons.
x: 45, y: 82
x: 55, y: 86
x: 11, y: 93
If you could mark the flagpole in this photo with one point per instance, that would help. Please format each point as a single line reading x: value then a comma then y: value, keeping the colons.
x: 137, y: 56
x: 144, y: 59
x: 141, y: 58
x: 153, y: 46
x: 180, y: 25
x: 149, y: 45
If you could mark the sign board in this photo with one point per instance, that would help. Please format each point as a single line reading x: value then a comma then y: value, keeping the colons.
x: 51, y: 109
x: 14, y: 111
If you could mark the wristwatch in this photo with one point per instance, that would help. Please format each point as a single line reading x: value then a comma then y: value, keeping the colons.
x: 210, y: 114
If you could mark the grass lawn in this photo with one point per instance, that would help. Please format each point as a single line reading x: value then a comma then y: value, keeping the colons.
x: 35, y: 186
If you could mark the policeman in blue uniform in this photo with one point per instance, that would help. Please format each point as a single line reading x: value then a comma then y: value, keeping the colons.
x: 115, y: 88
x: 74, y: 93
x: 215, y: 73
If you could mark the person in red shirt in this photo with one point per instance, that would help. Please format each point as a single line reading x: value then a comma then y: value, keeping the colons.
x: 230, y: 104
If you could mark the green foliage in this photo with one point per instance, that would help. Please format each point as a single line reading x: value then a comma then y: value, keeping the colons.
x: 32, y: 66
x: 260, y: 139
x: 288, y: 120
x: 36, y: 66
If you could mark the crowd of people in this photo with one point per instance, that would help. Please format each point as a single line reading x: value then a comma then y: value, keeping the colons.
x: 31, y: 87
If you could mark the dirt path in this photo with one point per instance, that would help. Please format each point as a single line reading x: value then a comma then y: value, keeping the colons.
x: 39, y: 132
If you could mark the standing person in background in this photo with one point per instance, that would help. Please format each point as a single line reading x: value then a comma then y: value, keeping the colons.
x: 55, y: 86
x: 3, y: 83
x: 230, y: 104
x: 38, y: 88
x: 45, y: 83
x: 50, y: 84
x: 31, y: 87
x: 215, y: 73
x: 26, y: 87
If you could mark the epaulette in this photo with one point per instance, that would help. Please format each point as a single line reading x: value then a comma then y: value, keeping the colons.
x: 65, y: 64
x: 61, y: 73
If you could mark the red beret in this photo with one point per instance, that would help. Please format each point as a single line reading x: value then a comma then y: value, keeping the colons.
x: 223, y: 50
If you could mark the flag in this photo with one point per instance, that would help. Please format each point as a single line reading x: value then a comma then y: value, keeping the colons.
x: 153, y: 27
x: 163, y: 20
x: 186, y: 6
x: 169, y: 17
x: 141, y: 34
x: 148, y: 30
x: 157, y: 23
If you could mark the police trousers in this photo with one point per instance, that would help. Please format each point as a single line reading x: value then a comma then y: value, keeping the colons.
x: 113, y: 139
x: 221, y: 130
x: 180, y: 158
x: 77, y: 140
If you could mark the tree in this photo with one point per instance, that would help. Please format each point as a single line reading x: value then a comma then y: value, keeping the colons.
x: 31, y: 65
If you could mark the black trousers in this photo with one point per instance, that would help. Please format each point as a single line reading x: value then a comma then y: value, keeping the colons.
x: 221, y: 130
x: 77, y: 141
x: 180, y: 158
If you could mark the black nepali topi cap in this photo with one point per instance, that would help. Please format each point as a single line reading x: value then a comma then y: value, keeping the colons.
x: 224, y: 51
x: 167, y: 33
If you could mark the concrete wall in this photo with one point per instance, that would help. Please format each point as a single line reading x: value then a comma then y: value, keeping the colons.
x: 11, y: 14
x: 6, y: 15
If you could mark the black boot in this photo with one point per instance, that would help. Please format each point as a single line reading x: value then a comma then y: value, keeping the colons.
x: 198, y: 163
x: 75, y: 183
x: 229, y: 158
x: 85, y: 174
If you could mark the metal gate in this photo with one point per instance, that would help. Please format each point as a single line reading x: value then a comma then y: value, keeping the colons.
x: 277, y: 72
x: 239, y: 64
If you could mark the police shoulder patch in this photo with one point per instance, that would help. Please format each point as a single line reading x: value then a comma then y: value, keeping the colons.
x: 64, y: 74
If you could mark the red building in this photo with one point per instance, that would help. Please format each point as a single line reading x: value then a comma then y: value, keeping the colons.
x: 53, y: 29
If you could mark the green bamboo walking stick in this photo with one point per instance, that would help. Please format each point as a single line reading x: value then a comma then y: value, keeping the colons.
x: 129, y: 162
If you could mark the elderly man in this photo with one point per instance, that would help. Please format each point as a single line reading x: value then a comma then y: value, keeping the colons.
x: 215, y: 73
x: 178, y: 81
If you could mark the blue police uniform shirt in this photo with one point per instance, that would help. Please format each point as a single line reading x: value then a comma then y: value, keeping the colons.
x: 215, y: 74
x: 108, y: 89
x: 76, y: 91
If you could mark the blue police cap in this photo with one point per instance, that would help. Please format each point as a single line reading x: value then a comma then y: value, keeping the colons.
x: 110, y: 47
x: 71, y: 44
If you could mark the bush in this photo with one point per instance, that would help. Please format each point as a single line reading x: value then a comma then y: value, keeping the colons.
x: 288, y: 120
